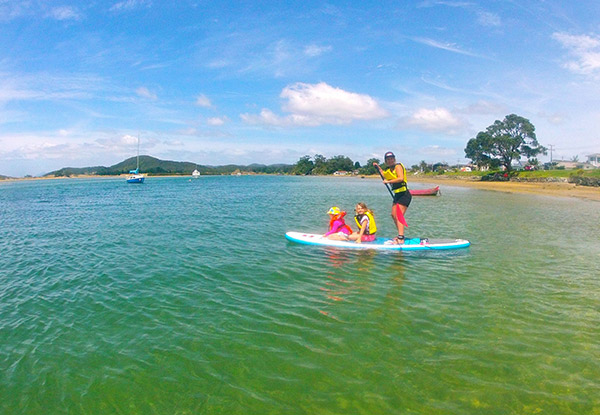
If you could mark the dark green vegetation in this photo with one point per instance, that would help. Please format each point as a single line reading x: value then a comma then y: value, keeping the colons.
x: 585, y: 177
x: 505, y: 141
x: 156, y: 167
x: 320, y: 165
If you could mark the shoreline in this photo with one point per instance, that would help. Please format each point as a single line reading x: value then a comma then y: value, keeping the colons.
x: 555, y: 189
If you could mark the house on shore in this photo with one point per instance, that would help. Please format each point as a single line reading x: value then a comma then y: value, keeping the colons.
x: 570, y: 164
x: 594, y: 159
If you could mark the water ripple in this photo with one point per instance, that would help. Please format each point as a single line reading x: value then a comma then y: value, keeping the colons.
x: 181, y: 297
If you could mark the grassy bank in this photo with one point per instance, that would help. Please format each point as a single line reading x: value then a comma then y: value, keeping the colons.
x: 522, y: 174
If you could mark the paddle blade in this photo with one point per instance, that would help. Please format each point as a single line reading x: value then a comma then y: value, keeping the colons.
x: 400, y: 216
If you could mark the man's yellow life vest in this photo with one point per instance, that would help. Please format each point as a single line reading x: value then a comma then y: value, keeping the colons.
x: 390, y: 174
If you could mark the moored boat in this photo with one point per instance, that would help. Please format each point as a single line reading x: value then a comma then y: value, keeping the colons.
x: 434, y: 191
x: 134, y: 175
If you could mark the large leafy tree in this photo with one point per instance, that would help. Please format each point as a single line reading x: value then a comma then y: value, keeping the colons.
x: 303, y: 166
x: 504, y: 141
x: 320, y: 164
x: 339, y: 163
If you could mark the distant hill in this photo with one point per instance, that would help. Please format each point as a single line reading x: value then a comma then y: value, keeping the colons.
x: 4, y: 177
x: 156, y: 167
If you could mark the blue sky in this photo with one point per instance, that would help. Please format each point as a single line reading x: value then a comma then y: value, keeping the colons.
x: 270, y: 81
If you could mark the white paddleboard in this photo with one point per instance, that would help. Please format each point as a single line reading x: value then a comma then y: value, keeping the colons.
x: 413, y: 244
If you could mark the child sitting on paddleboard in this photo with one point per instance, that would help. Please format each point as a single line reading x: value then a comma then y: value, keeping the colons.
x: 338, y: 230
x: 366, y: 224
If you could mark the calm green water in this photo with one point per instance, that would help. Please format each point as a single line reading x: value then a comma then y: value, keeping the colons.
x: 183, y: 297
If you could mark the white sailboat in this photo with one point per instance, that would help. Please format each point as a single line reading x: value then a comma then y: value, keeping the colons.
x: 195, y: 174
x: 134, y: 175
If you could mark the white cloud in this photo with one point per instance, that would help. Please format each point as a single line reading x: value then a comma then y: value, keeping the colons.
x: 437, y: 152
x: 488, y: 19
x: 266, y: 117
x: 216, y: 121
x: 316, y: 50
x: 429, y: 3
x: 250, y: 51
x: 64, y: 13
x: 444, y: 46
x: 436, y: 120
x: 324, y: 100
x: 203, y: 101
x: 70, y: 146
x: 145, y: 93
x: 128, y: 5
x: 318, y: 104
x: 10, y: 10
x: 218, y: 63
x: 553, y: 118
x: 585, y: 49
x: 44, y: 86
x: 483, y: 107
x: 10, y: 116
x: 128, y: 140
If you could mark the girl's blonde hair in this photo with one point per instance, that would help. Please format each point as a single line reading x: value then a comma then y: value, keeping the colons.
x: 364, y: 206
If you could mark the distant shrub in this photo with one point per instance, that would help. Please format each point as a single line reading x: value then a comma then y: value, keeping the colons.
x: 585, y: 181
x: 498, y: 177
x: 579, y: 172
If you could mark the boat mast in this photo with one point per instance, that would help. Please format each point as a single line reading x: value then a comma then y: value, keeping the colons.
x: 138, y: 156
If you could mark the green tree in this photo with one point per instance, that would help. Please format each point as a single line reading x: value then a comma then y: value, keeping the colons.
x: 340, y: 162
x: 304, y: 166
x: 477, y: 149
x: 320, y: 164
x: 368, y: 168
x: 440, y: 168
x: 504, y: 141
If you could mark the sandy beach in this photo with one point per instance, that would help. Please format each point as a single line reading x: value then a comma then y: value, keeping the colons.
x: 558, y: 189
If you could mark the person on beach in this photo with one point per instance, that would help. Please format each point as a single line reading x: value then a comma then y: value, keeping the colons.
x: 338, y: 230
x: 366, y: 224
x: 395, y: 175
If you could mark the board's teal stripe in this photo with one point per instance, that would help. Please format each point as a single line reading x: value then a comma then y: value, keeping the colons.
x: 182, y: 296
x: 413, y: 244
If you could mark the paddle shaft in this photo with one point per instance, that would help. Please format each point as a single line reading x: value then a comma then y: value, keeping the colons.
x: 387, y: 186
x: 399, y: 214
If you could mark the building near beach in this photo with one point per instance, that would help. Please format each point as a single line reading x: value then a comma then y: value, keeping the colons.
x: 570, y: 164
x: 594, y: 159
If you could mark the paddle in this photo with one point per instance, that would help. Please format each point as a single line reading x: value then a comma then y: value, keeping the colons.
x: 399, y: 214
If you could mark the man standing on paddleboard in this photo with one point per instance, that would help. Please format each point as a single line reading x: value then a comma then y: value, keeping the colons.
x: 394, y: 175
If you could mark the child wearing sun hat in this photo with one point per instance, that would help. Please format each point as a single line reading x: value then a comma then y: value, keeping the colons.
x: 338, y: 230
